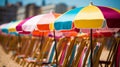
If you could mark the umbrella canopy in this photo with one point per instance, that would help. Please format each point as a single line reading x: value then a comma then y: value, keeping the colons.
x: 46, y: 22
x: 12, y: 28
x: 19, y: 26
x: 89, y: 17
x: 2, y: 25
x: 5, y: 28
x: 31, y: 23
x: 42, y: 22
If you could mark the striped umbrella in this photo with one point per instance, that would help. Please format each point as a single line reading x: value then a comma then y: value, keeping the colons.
x: 89, y: 17
x: 39, y: 25
x: 2, y: 25
x: 19, y: 26
x: 9, y: 28
x: 12, y: 28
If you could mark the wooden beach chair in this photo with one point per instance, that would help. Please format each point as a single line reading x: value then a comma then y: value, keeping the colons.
x: 42, y: 53
x: 69, y: 52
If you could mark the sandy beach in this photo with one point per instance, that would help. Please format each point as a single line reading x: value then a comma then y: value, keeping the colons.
x: 5, y: 59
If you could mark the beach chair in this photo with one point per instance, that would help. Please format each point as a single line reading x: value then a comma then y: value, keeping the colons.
x: 69, y: 51
x: 28, y: 50
x: 33, y: 52
x: 113, y: 62
x: 24, y: 48
x: 75, y: 51
x: 43, y: 52
x: 6, y: 42
x: 112, y: 50
x: 63, y: 51
x: 51, y: 58
x: 82, y: 44
x: 96, y: 52
x: 13, y: 43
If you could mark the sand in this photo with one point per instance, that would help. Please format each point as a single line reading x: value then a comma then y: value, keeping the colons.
x: 5, y: 59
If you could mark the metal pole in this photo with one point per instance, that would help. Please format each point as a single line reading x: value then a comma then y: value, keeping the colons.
x: 91, y: 47
x: 56, y: 49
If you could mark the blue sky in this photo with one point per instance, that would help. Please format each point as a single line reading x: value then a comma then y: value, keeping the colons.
x: 78, y: 3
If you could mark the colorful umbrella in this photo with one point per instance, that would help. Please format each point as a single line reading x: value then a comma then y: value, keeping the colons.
x: 12, y: 28
x: 6, y: 28
x: 43, y: 22
x: 46, y: 24
x: 90, y: 17
x: 19, y: 26
x: 2, y: 25
x: 31, y: 23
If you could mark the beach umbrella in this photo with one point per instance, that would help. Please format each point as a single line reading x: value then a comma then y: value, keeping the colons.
x: 19, y: 26
x: 12, y: 27
x: 6, y: 28
x: 43, y: 23
x: 89, y: 17
x: 46, y: 24
x: 9, y: 30
x: 2, y: 25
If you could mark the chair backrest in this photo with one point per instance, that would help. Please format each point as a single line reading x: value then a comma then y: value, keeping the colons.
x: 97, y: 54
x: 63, y: 51
x: 13, y: 43
x: 29, y: 47
x: 36, y: 47
x: 69, y: 52
x: 60, y: 45
x: 79, y: 53
x: 88, y: 51
x: 23, y: 45
x: 43, y: 48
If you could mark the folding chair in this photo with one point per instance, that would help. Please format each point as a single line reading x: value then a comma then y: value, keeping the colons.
x: 79, y: 53
x: 41, y: 56
x: 69, y: 52
x: 109, y: 60
x: 23, y: 48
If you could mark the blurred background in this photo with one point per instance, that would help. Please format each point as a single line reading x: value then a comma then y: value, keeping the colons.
x: 11, y: 10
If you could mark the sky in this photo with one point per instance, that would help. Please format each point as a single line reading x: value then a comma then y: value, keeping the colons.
x: 77, y: 3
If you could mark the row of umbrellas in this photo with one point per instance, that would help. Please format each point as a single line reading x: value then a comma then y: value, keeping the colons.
x: 89, y: 17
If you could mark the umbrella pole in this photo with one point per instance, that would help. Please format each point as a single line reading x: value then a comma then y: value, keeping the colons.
x: 91, y: 47
x: 56, y: 49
